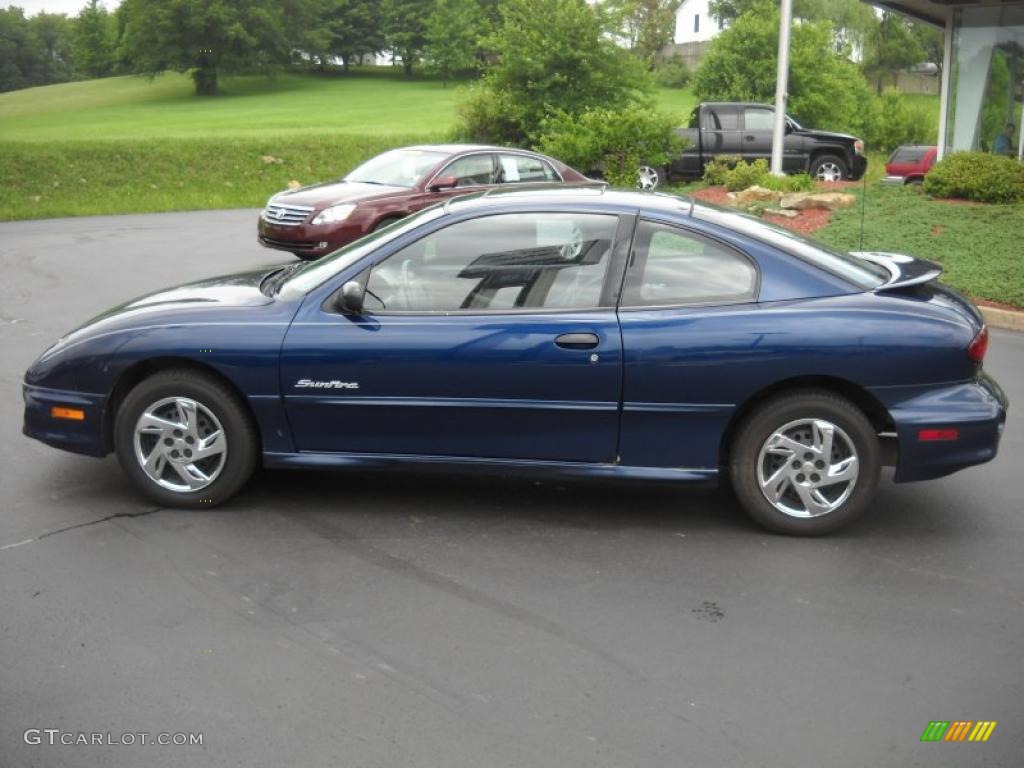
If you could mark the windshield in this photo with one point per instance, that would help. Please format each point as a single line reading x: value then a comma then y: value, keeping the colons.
x: 861, y: 273
x: 311, y: 274
x: 397, y: 168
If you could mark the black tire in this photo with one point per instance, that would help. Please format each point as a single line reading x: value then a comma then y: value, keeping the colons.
x: 305, y: 256
x: 239, y: 432
x: 771, y: 417
x: 823, y: 162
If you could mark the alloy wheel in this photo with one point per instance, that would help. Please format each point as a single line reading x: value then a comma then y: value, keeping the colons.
x: 647, y: 178
x: 807, y: 468
x: 829, y: 171
x: 180, y: 444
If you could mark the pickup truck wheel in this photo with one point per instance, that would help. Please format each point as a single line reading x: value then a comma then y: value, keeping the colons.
x: 829, y: 168
x: 648, y: 177
x: 806, y: 463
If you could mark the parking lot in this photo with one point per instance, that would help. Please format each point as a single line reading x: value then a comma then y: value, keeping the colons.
x: 432, y: 620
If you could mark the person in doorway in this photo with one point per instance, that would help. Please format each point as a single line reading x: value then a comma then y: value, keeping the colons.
x: 1004, y: 142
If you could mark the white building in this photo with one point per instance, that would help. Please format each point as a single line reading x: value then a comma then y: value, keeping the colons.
x: 694, y: 23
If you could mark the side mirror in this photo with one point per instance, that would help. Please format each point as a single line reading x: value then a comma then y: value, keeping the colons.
x: 350, y: 300
x: 444, y: 182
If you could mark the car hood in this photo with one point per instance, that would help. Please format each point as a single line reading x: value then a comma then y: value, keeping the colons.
x: 179, y: 304
x: 826, y: 135
x: 332, y: 192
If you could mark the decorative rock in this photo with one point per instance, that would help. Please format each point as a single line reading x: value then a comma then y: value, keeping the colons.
x: 756, y: 194
x: 294, y: 184
x: 787, y: 213
x: 828, y: 201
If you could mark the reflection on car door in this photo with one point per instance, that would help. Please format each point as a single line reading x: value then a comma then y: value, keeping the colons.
x: 493, y: 337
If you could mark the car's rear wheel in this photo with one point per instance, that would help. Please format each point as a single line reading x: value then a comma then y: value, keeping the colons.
x: 806, y: 463
x: 829, y: 168
x: 649, y: 178
x: 185, y: 439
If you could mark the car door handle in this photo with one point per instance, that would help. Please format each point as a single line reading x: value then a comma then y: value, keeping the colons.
x: 577, y: 340
x: 748, y: 137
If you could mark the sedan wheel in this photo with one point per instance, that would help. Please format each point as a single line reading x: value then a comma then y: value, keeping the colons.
x: 185, y: 439
x: 805, y: 463
x: 647, y: 178
x: 180, y: 444
x: 807, y: 468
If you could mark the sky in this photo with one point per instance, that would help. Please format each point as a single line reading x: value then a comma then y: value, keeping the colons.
x: 70, y: 7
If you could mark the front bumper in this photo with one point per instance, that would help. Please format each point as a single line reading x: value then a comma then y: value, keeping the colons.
x: 306, y: 239
x: 976, y: 409
x: 85, y: 436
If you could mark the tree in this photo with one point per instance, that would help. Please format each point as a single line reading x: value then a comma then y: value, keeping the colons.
x: 826, y: 89
x: 647, y: 26
x: 207, y: 38
x: 405, y: 28
x: 94, y: 40
x: 851, y: 20
x: 552, y: 55
x: 54, y: 33
x: 355, y: 29
x: 454, y: 31
x: 890, y: 47
x: 21, y: 65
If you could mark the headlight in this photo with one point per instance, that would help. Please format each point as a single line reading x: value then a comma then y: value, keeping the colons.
x: 334, y: 213
x: 858, y: 147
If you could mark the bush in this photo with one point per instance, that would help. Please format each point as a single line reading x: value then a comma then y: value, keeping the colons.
x: 550, y: 54
x: 977, y: 176
x: 616, y: 142
x: 735, y: 174
x: 672, y: 72
x: 898, y: 122
x: 716, y: 169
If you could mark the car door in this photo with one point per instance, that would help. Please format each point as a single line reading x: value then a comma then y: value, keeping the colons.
x: 720, y: 131
x: 492, y: 337
x: 687, y: 328
x: 515, y: 168
x: 758, y: 127
x: 472, y: 172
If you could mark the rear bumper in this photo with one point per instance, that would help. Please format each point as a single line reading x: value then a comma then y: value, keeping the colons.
x: 85, y: 436
x: 975, y: 409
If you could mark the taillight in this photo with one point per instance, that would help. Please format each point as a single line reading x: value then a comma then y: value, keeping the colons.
x: 978, y: 346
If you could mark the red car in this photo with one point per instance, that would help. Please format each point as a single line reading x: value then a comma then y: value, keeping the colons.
x: 909, y: 164
x: 315, y: 220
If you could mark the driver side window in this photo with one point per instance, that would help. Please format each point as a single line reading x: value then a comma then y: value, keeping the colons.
x: 499, y: 263
x: 471, y: 171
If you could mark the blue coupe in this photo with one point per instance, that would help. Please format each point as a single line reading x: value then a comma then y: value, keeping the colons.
x: 567, y: 332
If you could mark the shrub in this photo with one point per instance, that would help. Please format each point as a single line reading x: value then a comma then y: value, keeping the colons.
x: 672, y: 72
x: 897, y: 122
x: 977, y: 176
x: 616, y: 142
x: 715, y: 171
x: 735, y: 174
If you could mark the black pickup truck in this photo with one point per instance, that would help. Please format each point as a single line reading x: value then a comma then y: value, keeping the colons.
x: 745, y: 130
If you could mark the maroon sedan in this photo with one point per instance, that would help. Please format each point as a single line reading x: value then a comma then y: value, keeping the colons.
x: 315, y: 220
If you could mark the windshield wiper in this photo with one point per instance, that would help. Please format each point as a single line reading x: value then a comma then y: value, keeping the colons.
x: 272, y: 282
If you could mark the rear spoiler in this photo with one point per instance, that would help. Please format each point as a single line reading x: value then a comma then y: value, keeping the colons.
x: 904, y: 270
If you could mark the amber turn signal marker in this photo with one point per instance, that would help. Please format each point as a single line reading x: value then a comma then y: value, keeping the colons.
x: 75, y: 414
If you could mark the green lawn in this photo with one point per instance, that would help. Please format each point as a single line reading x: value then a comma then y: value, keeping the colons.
x: 976, y: 243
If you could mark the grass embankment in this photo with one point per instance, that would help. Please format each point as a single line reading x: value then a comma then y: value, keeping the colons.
x: 976, y: 243
x: 130, y: 144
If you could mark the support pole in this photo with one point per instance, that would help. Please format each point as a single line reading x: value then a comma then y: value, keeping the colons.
x: 781, y: 86
x: 945, y: 84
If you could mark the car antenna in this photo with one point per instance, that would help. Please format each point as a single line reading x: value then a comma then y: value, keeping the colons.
x: 863, y: 203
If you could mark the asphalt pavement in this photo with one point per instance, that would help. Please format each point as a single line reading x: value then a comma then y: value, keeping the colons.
x: 392, y: 620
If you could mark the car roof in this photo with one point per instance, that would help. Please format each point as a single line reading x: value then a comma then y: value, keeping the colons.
x: 584, y: 197
x: 455, y: 149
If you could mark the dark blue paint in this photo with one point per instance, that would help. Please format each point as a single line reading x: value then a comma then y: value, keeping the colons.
x: 492, y: 390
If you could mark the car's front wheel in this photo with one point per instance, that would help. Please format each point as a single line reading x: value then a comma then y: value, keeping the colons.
x: 185, y: 440
x: 806, y: 463
x: 829, y: 168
